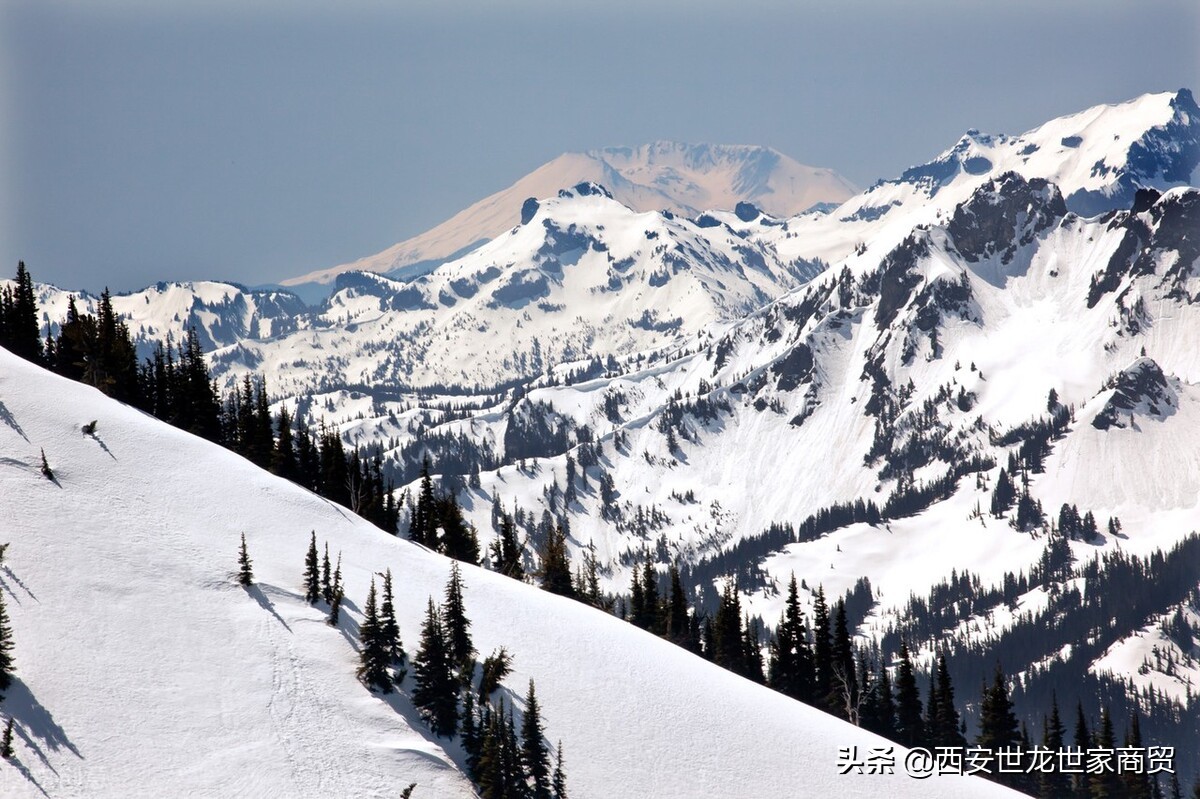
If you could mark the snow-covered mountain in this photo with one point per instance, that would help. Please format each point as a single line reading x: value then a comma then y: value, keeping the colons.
x: 221, y: 313
x: 143, y: 669
x: 581, y: 277
x: 685, y: 179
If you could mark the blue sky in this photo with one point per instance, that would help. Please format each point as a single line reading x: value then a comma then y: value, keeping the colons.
x: 203, y: 140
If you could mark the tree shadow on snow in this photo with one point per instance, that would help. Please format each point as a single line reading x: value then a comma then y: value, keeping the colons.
x: 34, y: 725
x: 265, y: 603
x: 103, y: 446
x: 10, y: 420
x: 9, y: 572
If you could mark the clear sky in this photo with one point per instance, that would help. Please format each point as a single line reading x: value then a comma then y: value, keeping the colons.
x: 203, y: 140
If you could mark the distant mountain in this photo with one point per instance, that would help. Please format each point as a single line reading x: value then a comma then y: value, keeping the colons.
x: 682, y: 178
x: 580, y: 278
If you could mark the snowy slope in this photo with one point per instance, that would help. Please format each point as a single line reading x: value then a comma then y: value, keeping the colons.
x: 682, y: 178
x: 145, y: 671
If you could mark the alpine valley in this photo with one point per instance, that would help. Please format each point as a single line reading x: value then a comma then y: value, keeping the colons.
x: 944, y: 431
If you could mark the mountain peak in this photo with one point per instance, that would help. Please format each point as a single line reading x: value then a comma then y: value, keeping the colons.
x: 664, y: 175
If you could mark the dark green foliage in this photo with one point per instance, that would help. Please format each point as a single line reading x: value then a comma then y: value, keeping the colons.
x: 556, y: 565
x: 6, y: 747
x: 500, y: 773
x: 910, y: 729
x: 1054, y: 784
x: 312, y: 572
x: 997, y: 723
x: 245, y: 573
x: 458, y: 539
x: 19, y: 318
x: 534, y: 755
x: 558, y: 780
x: 790, y: 663
x: 283, y: 457
x: 942, y: 720
x: 1003, y: 495
x: 389, y: 628
x: 458, y: 626
x: 726, y: 642
x: 436, y: 691
x: 337, y: 593
x: 408, y: 792
x: 326, y: 577
x: 1135, y: 784
x: 844, y: 692
x: 374, y: 655
x: 678, y: 623
x: 822, y: 648
x: 423, y: 528
x: 506, y: 552
x: 496, y: 667
x: 7, y: 662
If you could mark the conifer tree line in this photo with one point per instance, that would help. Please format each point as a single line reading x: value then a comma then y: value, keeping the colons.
x: 174, y: 384
x: 503, y: 763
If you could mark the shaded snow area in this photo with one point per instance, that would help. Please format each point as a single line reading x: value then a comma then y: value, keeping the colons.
x: 143, y: 669
x: 1164, y: 655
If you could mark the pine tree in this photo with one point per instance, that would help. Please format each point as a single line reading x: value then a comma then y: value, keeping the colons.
x: 1081, y: 783
x: 727, y: 645
x: 558, y: 782
x: 422, y: 528
x: 245, y: 573
x: 326, y: 577
x: 506, y: 552
x: 910, y: 730
x: 997, y: 722
x: 312, y: 573
x: 843, y: 693
x: 1135, y: 783
x: 374, y: 656
x: 458, y: 626
x: 946, y: 720
x: 389, y: 628
x: 338, y: 592
x: 556, y: 565
x: 790, y: 662
x: 534, y: 755
x: 458, y: 540
x: 21, y: 332
x: 1003, y: 494
x: 7, y: 662
x: 47, y: 472
x: 1105, y: 785
x: 678, y: 627
x: 822, y: 649
x: 436, y: 690
x: 1054, y: 784
x: 6, y: 747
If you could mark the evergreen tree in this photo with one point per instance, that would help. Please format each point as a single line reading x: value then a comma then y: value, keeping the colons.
x: 1081, y: 783
x: 1105, y: 785
x: 458, y: 539
x: 47, y: 472
x: 458, y: 626
x: 678, y: 627
x: 6, y: 747
x: 389, y: 628
x: 245, y: 573
x: 506, y: 552
x: 558, y: 782
x: 727, y: 645
x: 283, y: 457
x: 843, y: 693
x: 422, y: 529
x: 1003, y: 495
x: 822, y: 649
x: 7, y: 662
x: 312, y: 572
x: 1053, y: 783
x: 436, y: 690
x: 790, y: 662
x: 374, y: 656
x: 534, y: 755
x: 1135, y: 783
x: 326, y: 576
x: 556, y: 565
x: 338, y: 593
x: 997, y: 722
x: 945, y: 731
